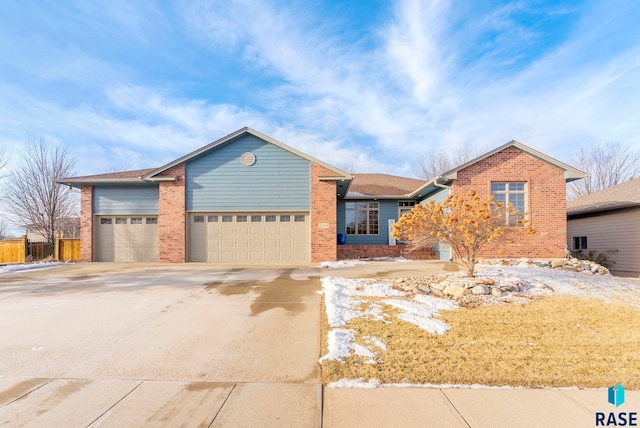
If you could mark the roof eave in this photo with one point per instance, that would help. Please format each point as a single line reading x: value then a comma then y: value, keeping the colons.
x: 423, y: 191
x: 333, y: 178
x: 570, y: 173
x: 602, y: 208
x: 83, y: 181
x: 369, y: 197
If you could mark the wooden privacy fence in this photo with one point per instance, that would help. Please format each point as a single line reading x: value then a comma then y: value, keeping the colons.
x: 13, y: 250
x: 67, y: 249
x: 20, y: 250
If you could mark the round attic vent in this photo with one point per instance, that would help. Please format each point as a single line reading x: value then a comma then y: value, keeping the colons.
x: 248, y: 159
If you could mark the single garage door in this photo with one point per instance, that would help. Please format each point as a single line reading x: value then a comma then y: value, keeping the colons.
x: 126, y: 239
x: 249, y: 237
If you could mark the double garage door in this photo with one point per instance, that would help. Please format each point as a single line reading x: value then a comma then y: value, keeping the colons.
x: 126, y: 238
x: 249, y: 237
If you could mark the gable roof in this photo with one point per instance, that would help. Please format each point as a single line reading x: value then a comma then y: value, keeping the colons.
x: 570, y: 173
x: 382, y: 185
x: 246, y: 130
x: 151, y: 174
x: 623, y: 195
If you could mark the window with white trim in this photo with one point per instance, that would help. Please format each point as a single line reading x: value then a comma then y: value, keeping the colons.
x: 362, y: 218
x: 405, y: 207
x: 510, y: 193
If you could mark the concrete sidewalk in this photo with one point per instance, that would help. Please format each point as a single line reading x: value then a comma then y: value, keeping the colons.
x: 134, y: 403
x: 477, y: 408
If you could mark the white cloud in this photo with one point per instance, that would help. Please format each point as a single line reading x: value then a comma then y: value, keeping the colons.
x: 376, y: 102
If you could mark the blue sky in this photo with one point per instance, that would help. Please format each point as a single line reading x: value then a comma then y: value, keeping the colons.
x: 364, y: 87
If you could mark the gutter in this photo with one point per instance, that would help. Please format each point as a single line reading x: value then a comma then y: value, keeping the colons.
x: 159, y: 179
x: 442, y: 186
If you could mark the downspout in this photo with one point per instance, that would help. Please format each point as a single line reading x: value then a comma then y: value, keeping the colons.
x: 442, y: 186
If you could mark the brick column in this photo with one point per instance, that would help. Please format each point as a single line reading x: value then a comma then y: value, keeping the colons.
x: 324, y: 244
x: 172, y: 216
x: 86, y: 223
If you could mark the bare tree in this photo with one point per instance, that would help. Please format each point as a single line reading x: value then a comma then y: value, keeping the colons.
x: 436, y: 161
x: 4, y: 159
x: 607, y: 164
x: 117, y: 167
x: 3, y: 229
x: 33, y: 197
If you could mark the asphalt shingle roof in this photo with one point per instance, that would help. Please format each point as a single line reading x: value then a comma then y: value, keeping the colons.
x: 623, y: 195
x: 382, y: 185
x: 116, y: 175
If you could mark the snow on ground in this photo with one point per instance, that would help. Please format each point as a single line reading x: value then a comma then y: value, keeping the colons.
x: 375, y: 383
x: 28, y: 266
x: 344, y: 298
x: 343, y: 302
x: 350, y: 263
x: 420, y: 309
x: 388, y: 259
x: 340, y: 264
x: 605, y: 287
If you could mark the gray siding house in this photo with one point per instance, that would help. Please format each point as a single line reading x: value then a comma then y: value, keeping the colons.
x: 608, y: 222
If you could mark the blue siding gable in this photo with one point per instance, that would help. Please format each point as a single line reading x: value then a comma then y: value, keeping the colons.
x: 125, y: 199
x: 437, y: 197
x: 278, y: 180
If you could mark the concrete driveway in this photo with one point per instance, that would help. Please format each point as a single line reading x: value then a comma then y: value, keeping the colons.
x: 132, y: 345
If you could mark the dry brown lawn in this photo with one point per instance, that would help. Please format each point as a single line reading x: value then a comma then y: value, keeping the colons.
x: 554, y: 342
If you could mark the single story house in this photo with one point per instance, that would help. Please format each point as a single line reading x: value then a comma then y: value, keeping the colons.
x: 249, y: 198
x: 608, y: 222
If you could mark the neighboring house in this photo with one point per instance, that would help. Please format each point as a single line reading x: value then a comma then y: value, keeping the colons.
x: 608, y: 222
x: 67, y: 228
x: 249, y: 198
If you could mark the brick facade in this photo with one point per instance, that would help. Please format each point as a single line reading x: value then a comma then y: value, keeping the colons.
x: 324, y: 216
x: 369, y: 251
x: 86, y: 223
x: 545, y: 200
x: 172, y: 216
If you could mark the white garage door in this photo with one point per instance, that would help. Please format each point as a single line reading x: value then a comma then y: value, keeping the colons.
x: 249, y: 237
x: 126, y: 239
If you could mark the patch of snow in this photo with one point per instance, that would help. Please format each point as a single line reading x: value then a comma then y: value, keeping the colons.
x: 340, y: 301
x: 29, y: 266
x: 375, y: 341
x: 421, y: 310
x: 375, y: 313
x: 340, y: 343
x: 388, y: 259
x: 355, y: 383
x: 446, y: 386
x: 341, y: 264
x: 363, y: 351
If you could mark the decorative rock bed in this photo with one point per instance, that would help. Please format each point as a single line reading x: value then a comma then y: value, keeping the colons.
x: 573, y: 264
x: 482, y: 290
